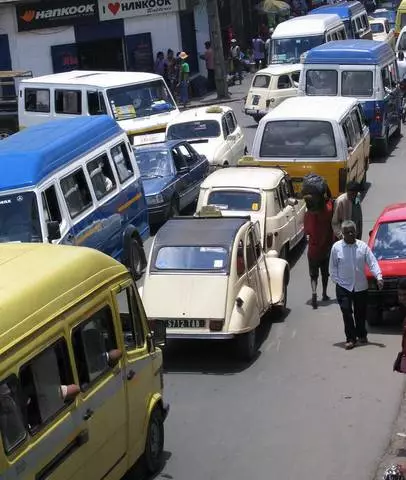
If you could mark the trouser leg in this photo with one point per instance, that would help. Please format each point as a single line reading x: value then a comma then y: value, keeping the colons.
x: 344, y: 299
x: 360, y: 312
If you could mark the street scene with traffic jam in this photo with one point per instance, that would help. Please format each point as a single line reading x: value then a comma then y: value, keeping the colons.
x: 202, y: 240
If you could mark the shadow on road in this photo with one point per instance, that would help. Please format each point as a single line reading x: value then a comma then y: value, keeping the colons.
x: 139, y: 471
x: 296, y: 253
x: 369, y: 344
x: 376, y: 157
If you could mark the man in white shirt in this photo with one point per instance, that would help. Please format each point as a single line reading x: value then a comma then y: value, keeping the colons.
x: 348, y: 260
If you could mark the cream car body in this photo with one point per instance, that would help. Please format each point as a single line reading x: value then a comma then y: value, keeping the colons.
x: 212, y: 131
x: 270, y: 87
x: 266, y: 195
x: 381, y: 31
x: 213, y: 280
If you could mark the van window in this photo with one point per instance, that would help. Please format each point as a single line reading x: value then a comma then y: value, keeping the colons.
x: 122, y: 161
x: 284, y: 82
x: 321, y: 82
x: 356, y: 126
x: 349, y: 133
x: 298, y: 139
x: 101, y: 176
x: 96, y: 104
x: 261, y: 81
x: 389, y: 77
x: 37, y: 100
x: 361, y: 117
x: 68, y: 102
x: 341, y: 35
x: 52, y: 211
x: 357, y: 83
x: 359, y: 24
x: 76, y: 192
x: 12, y: 426
x: 41, y: 382
x: 92, y: 341
x: 131, y: 319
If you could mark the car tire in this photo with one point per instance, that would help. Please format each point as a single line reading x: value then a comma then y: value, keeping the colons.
x: 137, y: 260
x: 257, y: 118
x: 174, y: 208
x: 5, y: 133
x: 154, y: 445
x: 282, y: 307
x: 384, y: 145
x: 398, y: 131
x: 246, y: 344
x: 374, y: 315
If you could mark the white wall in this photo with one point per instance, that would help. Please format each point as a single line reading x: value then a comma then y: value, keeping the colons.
x: 32, y: 50
x: 202, y: 33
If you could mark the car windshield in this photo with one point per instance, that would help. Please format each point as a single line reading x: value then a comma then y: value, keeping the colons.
x: 235, y: 200
x: 298, y: 139
x: 192, y: 258
x: 191, y: 130
x: 377, y: 27
x: 140, y: 100
x: 154, y: 163
x: 289, y: 50
x: 390, y: 241
x: 357, y: 83
x: 19, y: 219
x: 321, y: 82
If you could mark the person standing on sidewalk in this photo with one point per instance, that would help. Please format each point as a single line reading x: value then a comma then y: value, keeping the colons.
x: 348, y: 207
x: 184, y: 79
x: 320, y: 237
x: 208, y: 57
x: 348, y: 260
x: 235, y: 53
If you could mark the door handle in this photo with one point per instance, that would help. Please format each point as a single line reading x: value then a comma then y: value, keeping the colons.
x: 89, y: 413
x: 130, y: 375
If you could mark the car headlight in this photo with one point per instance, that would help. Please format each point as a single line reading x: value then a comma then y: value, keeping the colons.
x: 155, y: 199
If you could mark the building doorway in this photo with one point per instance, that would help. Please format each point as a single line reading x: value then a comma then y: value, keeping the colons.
x: 188, y: 36
x: 101, y: 55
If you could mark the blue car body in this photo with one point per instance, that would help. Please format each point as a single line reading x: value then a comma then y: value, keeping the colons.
x: 176, y: 185
x: 38, y: 162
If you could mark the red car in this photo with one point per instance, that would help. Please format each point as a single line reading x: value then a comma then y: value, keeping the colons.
x: 388, y: 242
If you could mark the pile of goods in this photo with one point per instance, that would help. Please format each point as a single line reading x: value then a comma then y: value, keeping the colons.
x: 315, y: 192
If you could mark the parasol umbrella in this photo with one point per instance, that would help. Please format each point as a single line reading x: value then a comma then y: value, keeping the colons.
x: 274, y: 6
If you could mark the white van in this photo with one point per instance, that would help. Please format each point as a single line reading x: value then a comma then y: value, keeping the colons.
x: 141, y: 103
x: 297, y: 36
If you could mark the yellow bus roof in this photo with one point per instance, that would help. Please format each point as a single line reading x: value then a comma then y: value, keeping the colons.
x: 40, y: 281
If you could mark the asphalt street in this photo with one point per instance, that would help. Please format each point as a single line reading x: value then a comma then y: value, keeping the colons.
x: 304, y: 408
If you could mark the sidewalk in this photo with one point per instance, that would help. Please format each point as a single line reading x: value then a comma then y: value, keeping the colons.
x: 236, y: 92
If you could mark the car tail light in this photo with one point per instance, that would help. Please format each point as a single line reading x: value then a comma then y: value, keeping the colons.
x: 269, y: 240
x: 342, y: 179
x: 216, y: 325
x: 378, y: 114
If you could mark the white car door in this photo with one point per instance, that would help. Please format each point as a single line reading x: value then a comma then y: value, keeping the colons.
x: 289, y: 213
x: 300, y: 210
x: 235, y: 138
x: 253, y: 273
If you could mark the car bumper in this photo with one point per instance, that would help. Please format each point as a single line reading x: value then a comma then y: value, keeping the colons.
x: 255, y: 112
x: 158, y: 213
x: 199, y: 335
x: 383, y: 299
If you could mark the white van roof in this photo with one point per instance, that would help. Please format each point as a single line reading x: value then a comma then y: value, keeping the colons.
x: 311, y: 108
x: 94, y: 78
x: 307, y: 25
x: 281, y: 69
x: 265, y: 178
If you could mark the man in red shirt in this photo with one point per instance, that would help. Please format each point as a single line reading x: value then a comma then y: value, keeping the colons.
x: 320, y: 236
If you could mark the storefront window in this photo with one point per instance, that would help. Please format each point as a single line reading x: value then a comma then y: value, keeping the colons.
x: 140, y: 100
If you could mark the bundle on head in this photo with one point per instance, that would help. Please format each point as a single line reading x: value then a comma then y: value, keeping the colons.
x: 315, y: 191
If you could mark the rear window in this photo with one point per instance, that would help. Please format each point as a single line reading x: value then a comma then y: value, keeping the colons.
x: 377, y: 27
x: 192, y: 258
x: 191, y: 130
x: 235, y: 200
x: 261, y: 81
x: 321, y: 82
x: 298, y: 139
x: 356, y: 84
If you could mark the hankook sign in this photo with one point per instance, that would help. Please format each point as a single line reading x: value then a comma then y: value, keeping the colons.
x: 111, y: 9
x: 32, y: 16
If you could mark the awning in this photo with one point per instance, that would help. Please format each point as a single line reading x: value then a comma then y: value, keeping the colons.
x: 273, y: 6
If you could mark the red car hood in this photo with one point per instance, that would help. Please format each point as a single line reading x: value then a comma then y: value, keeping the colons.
x: 390, y: 268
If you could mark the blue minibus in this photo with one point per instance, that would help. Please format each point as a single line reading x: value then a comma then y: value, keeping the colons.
x: 74, y: 182
x: 364, y: 69
x: 353, y: 15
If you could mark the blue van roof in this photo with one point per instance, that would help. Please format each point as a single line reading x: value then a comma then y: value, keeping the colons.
x: 344, y: 10
x: 351, y: 52
x: 31, y: 155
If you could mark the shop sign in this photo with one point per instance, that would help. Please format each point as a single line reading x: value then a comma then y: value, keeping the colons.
x: 32, y: 16
x: 111, y: 9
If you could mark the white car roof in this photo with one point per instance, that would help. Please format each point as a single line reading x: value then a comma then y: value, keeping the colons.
x: 265, y: 178
x: 377, y: 20
x: 94, y: 78
x: 307, y: 25
x: 311, y: 108
x: 201, y: 113
x: 280, y: 69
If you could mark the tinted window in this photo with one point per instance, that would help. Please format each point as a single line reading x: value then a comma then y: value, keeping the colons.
x: 234, y: 200
x: 122, y: 161
x: 12, y: 426
x: 261, y: 81
x: 101, y: 176
x: 284, y: 82
x: 357, y: 84
x: 230, y: 122
x: 68, y: 102
x: 321, y: 82
x: 226, y: 131
x: 351, y: 132
x: 377, y: 27
x: 390, y: 241
x: 37, y: 100
x: 356, y: 125
x: 154, y: 163
x: 298, y: 138
x: 192, y: 258
x: 95, y: 103
x: 131, y: 319
x: 51, y: 207
x: 76, y: 192
x: 191, y: 130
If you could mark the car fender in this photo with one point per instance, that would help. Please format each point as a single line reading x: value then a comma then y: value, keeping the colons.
x: 245, y: 315
x: 278, y: 269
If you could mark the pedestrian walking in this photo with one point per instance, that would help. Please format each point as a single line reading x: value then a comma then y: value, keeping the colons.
x: 184, y: 71
x: 400, y: 362
x: 348, y: 260
x: 348, y: 207
x: 268, y: 45
x: 208, y: 57
x: 258, y: 47
x: 320, y: 237
x: 171, y: 70
x: 235, y: 53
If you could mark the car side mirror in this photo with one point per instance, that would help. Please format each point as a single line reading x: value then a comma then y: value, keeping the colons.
x: 54, y: 231
x: 114, y: 357
x: 401, y: 56
x: 158, y: 333
x: 370, y: 233
x: 292, y: 202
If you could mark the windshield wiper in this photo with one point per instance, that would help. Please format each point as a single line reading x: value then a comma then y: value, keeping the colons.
x: 153, y: 176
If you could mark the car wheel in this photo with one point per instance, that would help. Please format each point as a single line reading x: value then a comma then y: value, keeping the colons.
x: 384, y: 145
x: 246, y: 345
x: 137, y: 259
x: 174, y: 210
x: 4, y: 133
x: 226, y: 164
x: 374, y: 315
x: 257, y: 118
x: 154, y: 446
x: 398, y: 131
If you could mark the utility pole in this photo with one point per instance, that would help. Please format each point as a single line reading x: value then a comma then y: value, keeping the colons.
x: 220, y: 72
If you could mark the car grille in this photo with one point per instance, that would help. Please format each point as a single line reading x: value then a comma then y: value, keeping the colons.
x: 390, y: 283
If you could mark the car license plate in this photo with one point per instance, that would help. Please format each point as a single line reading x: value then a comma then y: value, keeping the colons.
x: 255, y: 99
x: 187, y: 323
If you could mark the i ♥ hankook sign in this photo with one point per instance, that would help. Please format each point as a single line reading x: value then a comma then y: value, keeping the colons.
x: 111, y: 9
